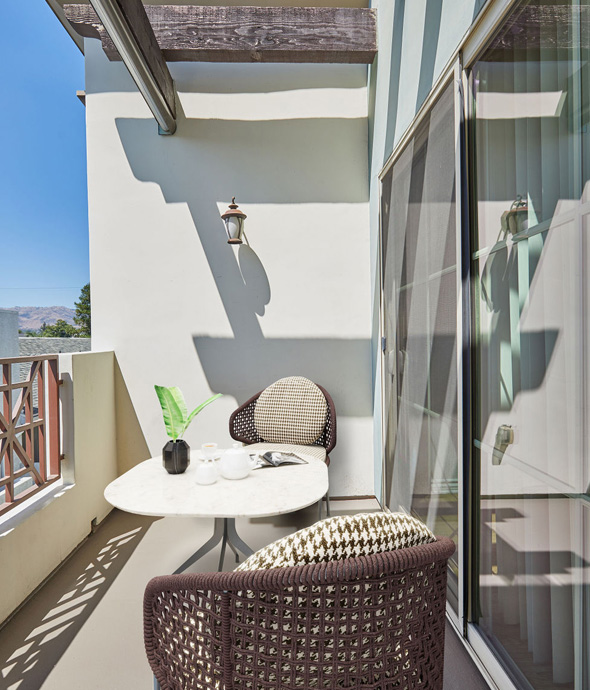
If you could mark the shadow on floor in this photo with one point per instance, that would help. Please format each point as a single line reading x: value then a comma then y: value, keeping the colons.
x: 33, y: 642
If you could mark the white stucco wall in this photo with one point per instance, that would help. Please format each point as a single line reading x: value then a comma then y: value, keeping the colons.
x: 177, y: 304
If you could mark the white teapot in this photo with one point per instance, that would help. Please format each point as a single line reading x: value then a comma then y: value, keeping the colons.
x: 235, y: 463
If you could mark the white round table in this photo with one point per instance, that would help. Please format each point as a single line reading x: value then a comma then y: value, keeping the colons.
x: 147, y: 489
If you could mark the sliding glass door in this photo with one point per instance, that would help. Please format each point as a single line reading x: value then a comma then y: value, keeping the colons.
x: 530, y: 112
x: 420, y: 322
x: 527, y: 252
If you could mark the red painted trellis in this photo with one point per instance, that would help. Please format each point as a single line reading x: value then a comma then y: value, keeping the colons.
x: 29, y: 448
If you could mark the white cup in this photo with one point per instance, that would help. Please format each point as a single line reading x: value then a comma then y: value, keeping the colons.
x: 209, y: 451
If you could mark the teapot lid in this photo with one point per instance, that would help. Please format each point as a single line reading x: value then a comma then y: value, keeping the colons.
x: 236, y: 449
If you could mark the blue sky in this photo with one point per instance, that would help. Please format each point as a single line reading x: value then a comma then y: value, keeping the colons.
x: 43, y: 202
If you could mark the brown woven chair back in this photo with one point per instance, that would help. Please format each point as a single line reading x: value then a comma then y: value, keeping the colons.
x: 243, y: 429
x: 371, y: 623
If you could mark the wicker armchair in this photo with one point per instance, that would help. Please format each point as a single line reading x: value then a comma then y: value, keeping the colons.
x: 242, y: 427
x: 373, y: 622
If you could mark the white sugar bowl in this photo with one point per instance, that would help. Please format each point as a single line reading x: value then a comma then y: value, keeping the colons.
x: 235, y: 463
x: 206, y: 472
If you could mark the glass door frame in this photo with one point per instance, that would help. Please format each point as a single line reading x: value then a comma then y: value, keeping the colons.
x: 452, y: 73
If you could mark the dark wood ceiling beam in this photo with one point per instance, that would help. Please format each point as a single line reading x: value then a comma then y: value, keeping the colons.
x: 196, y: 33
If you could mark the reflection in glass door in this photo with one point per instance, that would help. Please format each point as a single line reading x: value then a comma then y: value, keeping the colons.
x: 420, y: 323
x: 530, y: 114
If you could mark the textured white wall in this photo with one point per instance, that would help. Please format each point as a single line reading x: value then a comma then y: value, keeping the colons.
x: 177, y: 304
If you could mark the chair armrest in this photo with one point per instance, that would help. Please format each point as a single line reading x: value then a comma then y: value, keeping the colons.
x: 241, y: 422
x: 185, y: 625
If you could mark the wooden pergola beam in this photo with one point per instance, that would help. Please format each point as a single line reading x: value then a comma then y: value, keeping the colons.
x: 196, y: 33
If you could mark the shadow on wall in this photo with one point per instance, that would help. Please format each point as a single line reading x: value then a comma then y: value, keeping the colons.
x: 306, y: 160
x: 225, y: 78
x: 288, y: 161
x: 432, y: 22
x: 266, y: 77
x: 256, y: 290
x: 132, y: 447
x: 243, y: 366
x: 430, y: 40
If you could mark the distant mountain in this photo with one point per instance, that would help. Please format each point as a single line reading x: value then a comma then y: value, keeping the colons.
x: 32, y: 318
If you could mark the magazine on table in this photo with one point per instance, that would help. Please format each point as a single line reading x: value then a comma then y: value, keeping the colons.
x: 276, y: 459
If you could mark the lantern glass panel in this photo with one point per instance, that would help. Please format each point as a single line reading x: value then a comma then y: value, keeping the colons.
x: 234, y: 227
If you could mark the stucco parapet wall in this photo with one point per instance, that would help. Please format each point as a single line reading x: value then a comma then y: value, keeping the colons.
x: 38, y: 536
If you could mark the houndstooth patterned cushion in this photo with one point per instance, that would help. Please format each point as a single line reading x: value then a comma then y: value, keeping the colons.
x: 340, y: 537
x: 292, y: 410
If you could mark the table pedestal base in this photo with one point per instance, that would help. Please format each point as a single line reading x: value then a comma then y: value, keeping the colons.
x: 224, y: 531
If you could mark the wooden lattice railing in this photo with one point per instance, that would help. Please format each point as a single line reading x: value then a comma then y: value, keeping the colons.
x: 29, y: 427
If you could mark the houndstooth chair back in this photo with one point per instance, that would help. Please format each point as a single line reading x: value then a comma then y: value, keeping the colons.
x: 292, y: 410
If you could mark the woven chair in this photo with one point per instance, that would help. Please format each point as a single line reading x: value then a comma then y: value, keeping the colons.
x: 286, y: 416
x: 372, y: 623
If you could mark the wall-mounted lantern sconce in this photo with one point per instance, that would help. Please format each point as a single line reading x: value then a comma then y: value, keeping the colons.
x: 234, y: 223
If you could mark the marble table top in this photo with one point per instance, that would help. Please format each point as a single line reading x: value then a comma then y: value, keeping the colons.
x: 147, y: 489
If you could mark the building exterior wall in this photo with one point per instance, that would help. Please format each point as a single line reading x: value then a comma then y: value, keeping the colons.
x: 177, y: 304
x: 8, y: 333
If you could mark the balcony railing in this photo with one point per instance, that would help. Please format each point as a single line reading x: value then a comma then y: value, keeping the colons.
x: 29, y: 427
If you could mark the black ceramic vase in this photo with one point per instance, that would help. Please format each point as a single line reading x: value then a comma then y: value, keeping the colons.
x: 176, y: 456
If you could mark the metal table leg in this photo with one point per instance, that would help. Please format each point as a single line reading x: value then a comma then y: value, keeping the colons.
x: 231, y: 539
x: 207, y: 546
x: 236, y: 552
x: 234, y: 539
x: 223, y: 545
x: 224, y: 531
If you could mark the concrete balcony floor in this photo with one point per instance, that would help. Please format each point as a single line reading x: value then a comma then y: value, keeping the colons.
x: 83, y: 628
